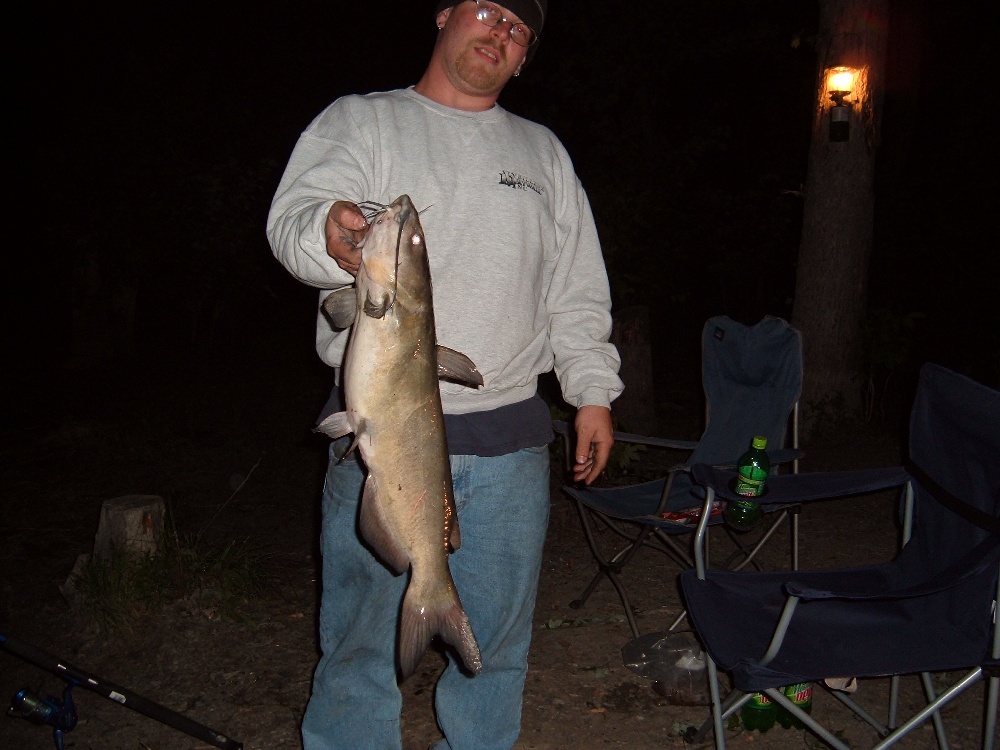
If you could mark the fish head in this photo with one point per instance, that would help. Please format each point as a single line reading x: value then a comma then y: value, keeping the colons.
x: 393, y: 258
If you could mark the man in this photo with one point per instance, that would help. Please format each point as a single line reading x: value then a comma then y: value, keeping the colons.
x: 520, y: 287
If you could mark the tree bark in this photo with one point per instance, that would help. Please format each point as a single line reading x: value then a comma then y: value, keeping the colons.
x: 130, y: 525
x: 635, y: 409
x: 831, y: 283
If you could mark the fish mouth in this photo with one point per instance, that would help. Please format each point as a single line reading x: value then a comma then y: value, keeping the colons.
x: 400, y: 212
x: 406, y: 209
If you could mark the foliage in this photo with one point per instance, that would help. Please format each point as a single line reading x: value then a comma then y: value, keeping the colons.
x: 217, y: 582
x: 621, y: 461
x: 119, y: 590
x: 623, y: 458
x: 888, y: 342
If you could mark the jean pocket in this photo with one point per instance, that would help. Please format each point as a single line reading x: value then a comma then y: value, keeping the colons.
x: 339, y: 447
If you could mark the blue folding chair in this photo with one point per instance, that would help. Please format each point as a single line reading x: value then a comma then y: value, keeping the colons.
x: 752, y: 377
x: 931, y: 609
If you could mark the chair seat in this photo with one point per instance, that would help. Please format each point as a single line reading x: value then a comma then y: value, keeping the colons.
x: 814, y: 647
x: 639, y: 503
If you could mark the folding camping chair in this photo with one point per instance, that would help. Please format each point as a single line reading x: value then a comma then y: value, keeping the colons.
x: 752, y: 376
x: 931, y: 609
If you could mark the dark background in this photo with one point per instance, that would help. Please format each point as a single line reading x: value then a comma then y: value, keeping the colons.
x: 150, y: 141
x: 152, y: 344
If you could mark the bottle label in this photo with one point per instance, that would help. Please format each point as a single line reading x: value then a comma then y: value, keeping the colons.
x: 751, y: 486
x: 759, y: 699
x: 799, y: 693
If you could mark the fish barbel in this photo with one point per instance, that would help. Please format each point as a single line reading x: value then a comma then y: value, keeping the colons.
x: 393, y: 408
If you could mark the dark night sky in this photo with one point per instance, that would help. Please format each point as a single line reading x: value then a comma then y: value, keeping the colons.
x: 153, y: 142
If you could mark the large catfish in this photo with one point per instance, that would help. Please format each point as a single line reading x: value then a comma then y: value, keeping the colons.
x: 393, y: 407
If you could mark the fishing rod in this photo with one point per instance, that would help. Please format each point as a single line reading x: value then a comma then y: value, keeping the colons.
x: 60, y: 714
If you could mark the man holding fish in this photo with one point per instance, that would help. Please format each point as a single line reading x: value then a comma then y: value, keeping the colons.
x: 486, y: 204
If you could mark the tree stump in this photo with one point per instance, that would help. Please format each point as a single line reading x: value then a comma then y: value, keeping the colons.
x: 132, y: 524
x: 635, y: 409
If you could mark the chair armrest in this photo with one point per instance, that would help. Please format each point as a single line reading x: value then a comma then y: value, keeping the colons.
x: 563, y: 428
x: 781, y: 456
x: 628, y: 437
x: 984, y: 556
x: 790, y: 489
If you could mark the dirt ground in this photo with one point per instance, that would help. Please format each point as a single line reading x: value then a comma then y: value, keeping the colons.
x: 241, y: 463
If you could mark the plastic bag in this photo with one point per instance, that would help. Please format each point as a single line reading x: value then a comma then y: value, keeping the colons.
x: 675, y: 662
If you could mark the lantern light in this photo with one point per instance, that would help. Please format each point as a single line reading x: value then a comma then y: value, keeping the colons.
x: 839, y: 84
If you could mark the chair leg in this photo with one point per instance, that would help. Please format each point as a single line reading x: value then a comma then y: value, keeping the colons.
x: 678, y: 621
x: 749, y: 555
x: 726, y: 707
x: 929, y: 691
x: 990, y: 728
x: 808, y: 721
x: 602, y: 570
x: 795, y: 512
x: 882, y: 729
x: 626, y: 604
x: 918, y: 718
x: 603, y: 565
x: 719, y: 710
x: 610, y: 568
x: 610, y: 571
x: 893, y: 701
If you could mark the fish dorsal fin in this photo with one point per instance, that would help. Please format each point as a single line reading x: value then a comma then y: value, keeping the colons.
x: 341, y: 306
x: 456, y: 366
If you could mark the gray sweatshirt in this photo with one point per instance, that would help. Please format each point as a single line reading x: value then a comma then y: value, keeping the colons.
x: 519, y: 281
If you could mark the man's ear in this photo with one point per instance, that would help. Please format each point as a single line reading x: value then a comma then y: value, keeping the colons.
x: 442, y: 17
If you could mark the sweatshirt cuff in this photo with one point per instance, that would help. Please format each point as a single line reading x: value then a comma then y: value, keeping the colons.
x: 594, y: 397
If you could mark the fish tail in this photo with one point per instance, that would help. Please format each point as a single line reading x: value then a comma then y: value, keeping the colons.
x: 423, y: 617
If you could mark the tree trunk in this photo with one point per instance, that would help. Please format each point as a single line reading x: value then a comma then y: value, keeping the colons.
x: 635, y: 409
x: 832, y: 275
x: 130, y: 525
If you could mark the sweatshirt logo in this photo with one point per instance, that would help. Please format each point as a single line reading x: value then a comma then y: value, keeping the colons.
x: 518, y: 182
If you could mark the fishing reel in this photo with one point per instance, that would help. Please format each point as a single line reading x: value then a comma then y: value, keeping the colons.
x: 44, y: 709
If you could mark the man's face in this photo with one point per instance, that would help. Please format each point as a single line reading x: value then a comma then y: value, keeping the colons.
x: 477, y: 59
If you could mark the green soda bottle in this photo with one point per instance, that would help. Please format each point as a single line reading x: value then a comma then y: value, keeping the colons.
x: 758, y: 713
x: 801, y: 694
x: 753, y: 468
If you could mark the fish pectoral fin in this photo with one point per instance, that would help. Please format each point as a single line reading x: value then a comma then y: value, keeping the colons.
x: 427, y: 612
x: 336, y: 425
x: 376, y: 531
x: 377, y: 308
x: 456, y: 366
x: 341, y: 307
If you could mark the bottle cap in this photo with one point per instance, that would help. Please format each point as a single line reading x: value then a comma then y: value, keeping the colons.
x: 759, y: 442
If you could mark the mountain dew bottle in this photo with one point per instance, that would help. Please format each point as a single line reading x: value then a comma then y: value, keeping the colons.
x: 801, y: 694
x: 753, y: 468
x: 758, y: 713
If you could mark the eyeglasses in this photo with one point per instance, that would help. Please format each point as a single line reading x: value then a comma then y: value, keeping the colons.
x: 491, y: 15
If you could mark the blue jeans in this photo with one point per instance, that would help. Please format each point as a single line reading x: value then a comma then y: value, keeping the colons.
x: 503, y: 509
